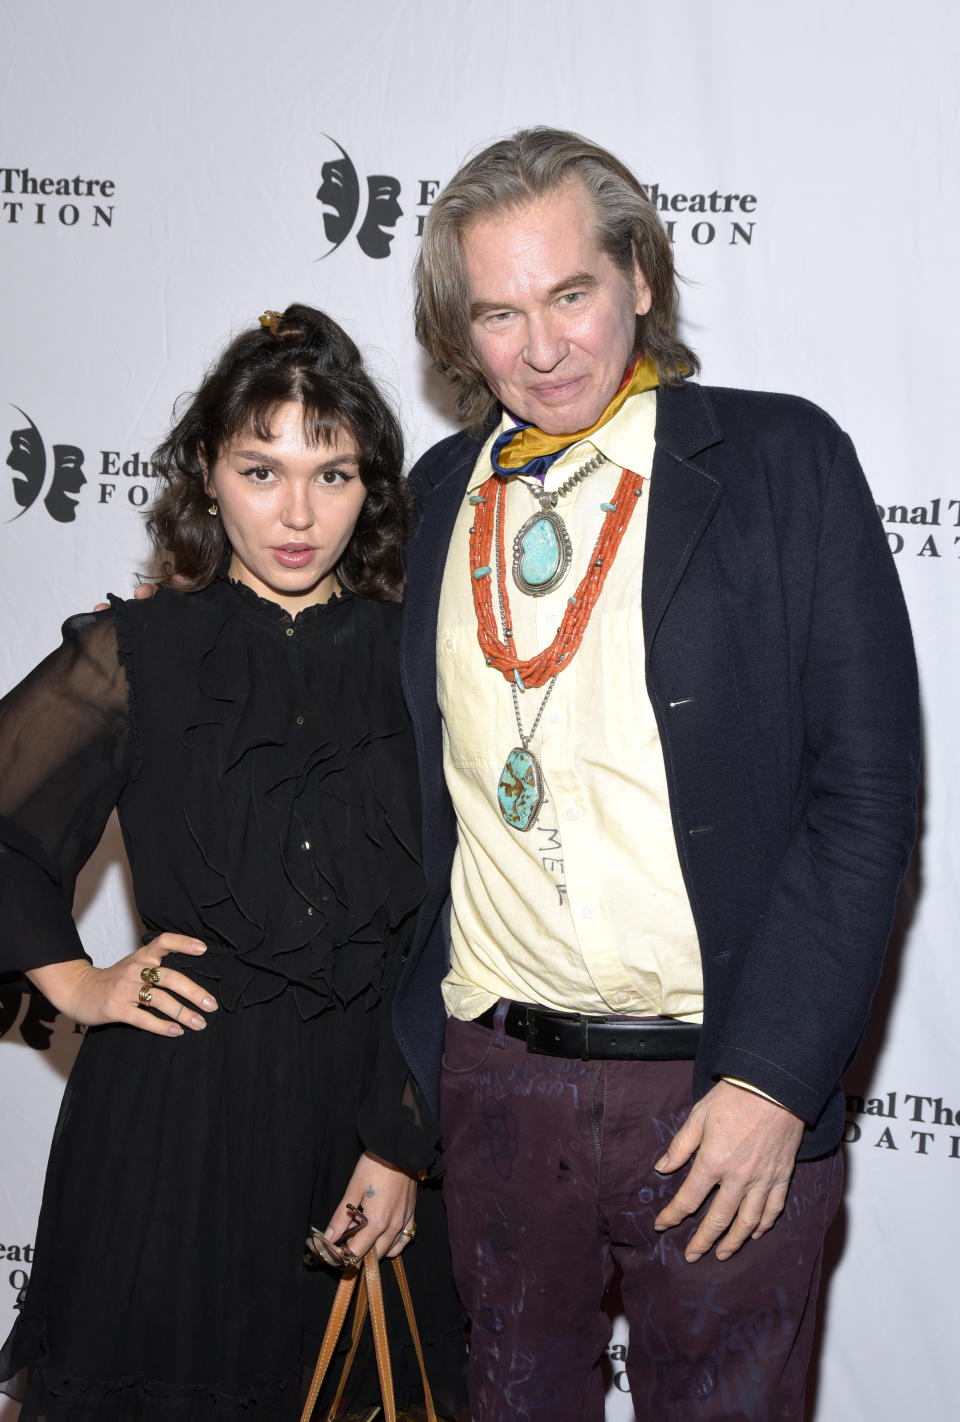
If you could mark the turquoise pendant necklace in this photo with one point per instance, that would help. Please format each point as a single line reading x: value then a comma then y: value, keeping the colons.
x: 521, y: 787
x: 542, y: 551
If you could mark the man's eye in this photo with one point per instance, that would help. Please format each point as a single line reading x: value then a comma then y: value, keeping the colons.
x: 570, y: 298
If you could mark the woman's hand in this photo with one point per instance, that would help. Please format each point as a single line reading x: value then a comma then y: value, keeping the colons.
x: 387, y: 1196
x: 95, y: 996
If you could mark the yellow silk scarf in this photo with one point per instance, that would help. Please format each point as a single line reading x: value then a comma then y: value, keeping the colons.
x: 531, y: 442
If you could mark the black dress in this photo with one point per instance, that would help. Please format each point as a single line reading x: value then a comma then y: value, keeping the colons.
x: 264, y: 776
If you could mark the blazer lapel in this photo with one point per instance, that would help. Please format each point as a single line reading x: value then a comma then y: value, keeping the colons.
x: 683, y: 495
x: 440, y: 496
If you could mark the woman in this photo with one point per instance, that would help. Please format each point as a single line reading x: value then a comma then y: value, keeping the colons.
x: 247, y: 724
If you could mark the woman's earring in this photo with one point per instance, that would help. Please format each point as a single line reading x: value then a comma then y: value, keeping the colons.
x: 214, y: 508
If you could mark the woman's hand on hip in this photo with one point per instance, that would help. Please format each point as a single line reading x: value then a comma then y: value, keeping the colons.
x: 124, y: 991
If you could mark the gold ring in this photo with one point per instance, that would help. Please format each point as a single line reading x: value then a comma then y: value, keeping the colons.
x: 409, y: 1231
x: 144, y: 995
x: 150, y: 975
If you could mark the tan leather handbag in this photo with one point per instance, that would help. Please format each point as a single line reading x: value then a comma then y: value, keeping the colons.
x: 369, y: 1296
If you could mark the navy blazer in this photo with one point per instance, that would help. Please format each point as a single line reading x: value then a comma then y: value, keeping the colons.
x: 780, y: 667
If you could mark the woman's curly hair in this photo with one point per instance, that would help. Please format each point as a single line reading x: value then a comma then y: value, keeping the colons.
x: 303, y: 357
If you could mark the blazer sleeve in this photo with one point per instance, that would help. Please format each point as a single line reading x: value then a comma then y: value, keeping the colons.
x: 803, y: 993
x: 65, y: 755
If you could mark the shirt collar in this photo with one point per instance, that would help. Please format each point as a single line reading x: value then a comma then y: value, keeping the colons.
x: 620, y: 439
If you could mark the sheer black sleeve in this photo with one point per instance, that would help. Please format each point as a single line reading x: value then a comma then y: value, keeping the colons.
x: 394, y: 1122
x: 65, y: 755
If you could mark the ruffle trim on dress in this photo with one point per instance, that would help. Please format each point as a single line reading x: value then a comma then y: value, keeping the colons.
x: 28, y: 1374
x: 305, y: 745
x: 127, y: 659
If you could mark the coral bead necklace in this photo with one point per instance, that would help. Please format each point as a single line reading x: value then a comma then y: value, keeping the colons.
x: 521, y: 787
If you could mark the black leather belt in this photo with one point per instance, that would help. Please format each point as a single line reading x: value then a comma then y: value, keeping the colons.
x: 571, y: 1034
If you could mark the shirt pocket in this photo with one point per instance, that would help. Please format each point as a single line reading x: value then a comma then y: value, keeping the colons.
x: 629, y: 725
x: 469, y: 693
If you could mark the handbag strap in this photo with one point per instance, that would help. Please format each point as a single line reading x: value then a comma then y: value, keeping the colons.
x: 370, y: 1293
x: 378, y: 1322
x: 359, y: 1319
x: 331, y: 1333
x: 401, y: 1274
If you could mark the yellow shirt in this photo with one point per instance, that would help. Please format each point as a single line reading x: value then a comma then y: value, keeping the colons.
x: 586, y: 911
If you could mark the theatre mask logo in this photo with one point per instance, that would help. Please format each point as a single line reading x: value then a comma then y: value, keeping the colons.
x: 35, y: 1025
x: 340, y: 196
x: 49, y: 480
x: 54, y: 479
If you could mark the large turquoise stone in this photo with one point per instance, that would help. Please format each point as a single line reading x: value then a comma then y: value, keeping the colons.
x: 520, y: 791
x: 540, y: 553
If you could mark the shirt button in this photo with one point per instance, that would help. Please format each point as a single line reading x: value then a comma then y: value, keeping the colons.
x: 622, y: 997
x: 449, y: 644
x: 554, y: 716
x: 589, y: 912
x: 299, y: 720
x: 573, y: 813
x: 289, y: 631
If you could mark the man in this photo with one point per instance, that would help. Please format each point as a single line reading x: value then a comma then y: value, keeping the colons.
x: 662, y: 682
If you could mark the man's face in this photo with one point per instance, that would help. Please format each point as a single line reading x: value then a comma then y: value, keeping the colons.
x: 553, y: 319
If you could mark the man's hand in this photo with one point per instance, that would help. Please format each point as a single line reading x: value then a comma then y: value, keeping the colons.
x: 746, y: 1146
x: 141, y: 591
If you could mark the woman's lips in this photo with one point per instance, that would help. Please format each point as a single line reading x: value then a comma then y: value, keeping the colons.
x: 294, y: 555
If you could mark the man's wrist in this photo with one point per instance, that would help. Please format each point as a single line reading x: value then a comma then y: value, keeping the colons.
x: 747, y: 1086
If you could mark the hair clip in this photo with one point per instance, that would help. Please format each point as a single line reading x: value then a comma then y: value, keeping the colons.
x: 270, y: 320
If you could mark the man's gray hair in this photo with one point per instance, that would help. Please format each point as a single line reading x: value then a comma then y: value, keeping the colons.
x: 507, y: 176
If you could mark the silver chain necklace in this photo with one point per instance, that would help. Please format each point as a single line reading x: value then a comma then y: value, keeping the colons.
x: 542, y: 551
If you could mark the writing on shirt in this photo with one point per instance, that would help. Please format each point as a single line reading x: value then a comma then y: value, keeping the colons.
x: 550, y: 850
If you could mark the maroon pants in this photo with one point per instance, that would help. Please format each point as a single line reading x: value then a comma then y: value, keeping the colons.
x: 550, y: 1185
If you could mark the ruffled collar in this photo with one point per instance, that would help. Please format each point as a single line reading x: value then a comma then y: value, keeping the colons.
x: 272, y: 613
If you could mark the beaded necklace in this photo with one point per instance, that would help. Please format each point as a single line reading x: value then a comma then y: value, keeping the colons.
x: 521, y: 786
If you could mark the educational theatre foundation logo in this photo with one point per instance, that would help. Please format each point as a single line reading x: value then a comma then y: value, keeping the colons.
x: 340, y: 194
x: 705, y: 218
x: 31, y: 198
x: 50, y: 479
x: 908, y: 1122
x: 367, y: 208
x: 929, y: 530
x: 29, y: 1017
x: 55, y: 479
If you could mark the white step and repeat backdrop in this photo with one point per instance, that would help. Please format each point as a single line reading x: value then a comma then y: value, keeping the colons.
x: 169, y: 170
